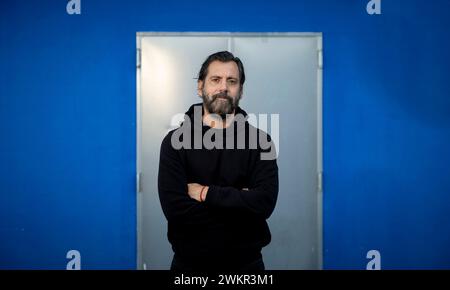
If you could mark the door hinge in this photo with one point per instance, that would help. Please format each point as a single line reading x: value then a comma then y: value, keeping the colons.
x: 320, y: 58
x: 138, y: 58
x: 320, y: 182
x: 139, y: 182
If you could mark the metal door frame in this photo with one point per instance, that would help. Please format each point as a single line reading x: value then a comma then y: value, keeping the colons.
x: 318, y: 35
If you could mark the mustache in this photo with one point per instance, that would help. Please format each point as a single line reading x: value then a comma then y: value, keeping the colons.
x: 221, y: 95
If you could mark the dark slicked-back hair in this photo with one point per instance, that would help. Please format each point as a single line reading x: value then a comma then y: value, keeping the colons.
x: 223, y: 56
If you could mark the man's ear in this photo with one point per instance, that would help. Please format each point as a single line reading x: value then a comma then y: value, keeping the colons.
x: 199, y: 87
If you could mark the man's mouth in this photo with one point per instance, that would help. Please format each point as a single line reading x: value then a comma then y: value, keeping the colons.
x: 222, y: 97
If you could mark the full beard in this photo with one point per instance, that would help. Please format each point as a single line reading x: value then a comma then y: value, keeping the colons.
x: 221, y: 107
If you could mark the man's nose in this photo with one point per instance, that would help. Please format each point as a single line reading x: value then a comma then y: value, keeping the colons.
x: 223, y: 86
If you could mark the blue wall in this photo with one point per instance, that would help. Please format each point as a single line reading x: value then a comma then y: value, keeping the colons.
x: 67, y: 125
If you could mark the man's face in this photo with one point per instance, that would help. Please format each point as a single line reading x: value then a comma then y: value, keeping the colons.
x: 221, y: 90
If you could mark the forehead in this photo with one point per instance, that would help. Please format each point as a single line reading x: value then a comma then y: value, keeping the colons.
x: 223, y: 69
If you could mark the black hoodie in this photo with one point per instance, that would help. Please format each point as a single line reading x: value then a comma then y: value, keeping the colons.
x: 230, y: 226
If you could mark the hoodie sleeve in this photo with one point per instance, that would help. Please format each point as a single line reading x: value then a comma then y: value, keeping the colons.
x: 261, y: 197
x: 172, y: 187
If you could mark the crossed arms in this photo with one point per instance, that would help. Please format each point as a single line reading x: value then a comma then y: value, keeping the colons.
x: 192, y: 202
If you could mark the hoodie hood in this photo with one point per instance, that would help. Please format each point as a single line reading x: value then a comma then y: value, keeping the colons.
x: 240, y: 134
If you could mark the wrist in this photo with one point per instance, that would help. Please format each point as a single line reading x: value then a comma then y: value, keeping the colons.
x: 203, y: 193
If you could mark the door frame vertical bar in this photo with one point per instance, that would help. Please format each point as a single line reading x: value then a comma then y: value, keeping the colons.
x: 139, y: 264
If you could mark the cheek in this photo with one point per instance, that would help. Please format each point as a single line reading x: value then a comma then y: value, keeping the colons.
x: 208, y: 90
x: 235, y: 93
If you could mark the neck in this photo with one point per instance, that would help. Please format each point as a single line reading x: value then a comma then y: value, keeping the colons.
x: 215, y: 121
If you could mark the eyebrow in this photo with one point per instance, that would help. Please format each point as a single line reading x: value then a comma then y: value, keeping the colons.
x: 215, y: 76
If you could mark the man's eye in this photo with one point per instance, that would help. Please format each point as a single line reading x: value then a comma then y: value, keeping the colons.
x: 232, y: 82
x: 215, y: 80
